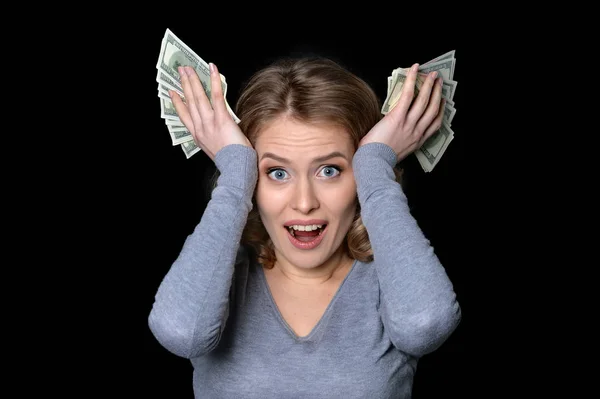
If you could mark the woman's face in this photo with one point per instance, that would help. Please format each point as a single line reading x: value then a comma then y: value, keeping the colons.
x: 299, y: 185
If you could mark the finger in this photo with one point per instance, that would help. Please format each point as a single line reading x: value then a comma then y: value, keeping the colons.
x: 408, y: 90
x: 200, y: 98
x: 182, y: 110
x: 423, y: 99
x: 192, y: 103
x: 216, y: 90
x: 433, y: 107
x: 435, y: 125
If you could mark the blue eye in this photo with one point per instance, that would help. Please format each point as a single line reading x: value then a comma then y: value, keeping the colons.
x: 330, y: 171
x: 278, y: 175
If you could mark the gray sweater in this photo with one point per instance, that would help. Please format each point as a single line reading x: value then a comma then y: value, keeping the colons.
x: 214, y: 306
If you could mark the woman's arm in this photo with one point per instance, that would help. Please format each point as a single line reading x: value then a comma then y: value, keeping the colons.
x: 192, y: 302
x: 418, y: 305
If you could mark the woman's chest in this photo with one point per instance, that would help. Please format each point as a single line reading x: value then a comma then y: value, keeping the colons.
x: 301, y: 310
x: 340, y: 347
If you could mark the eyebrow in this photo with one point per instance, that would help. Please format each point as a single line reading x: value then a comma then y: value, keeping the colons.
x: 334, y: 154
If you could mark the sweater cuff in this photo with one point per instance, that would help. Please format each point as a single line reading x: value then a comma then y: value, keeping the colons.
x: 376, y: 150
x: 373, y: 165
x: 238, y: 167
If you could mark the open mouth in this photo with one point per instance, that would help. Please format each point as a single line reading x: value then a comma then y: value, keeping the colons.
x: 306, y: 235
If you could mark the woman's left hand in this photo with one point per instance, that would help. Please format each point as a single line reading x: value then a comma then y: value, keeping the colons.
x: 406, y: 127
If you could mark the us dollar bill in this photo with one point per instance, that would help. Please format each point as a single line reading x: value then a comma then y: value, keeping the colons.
x: 449, y: 55
x: 174, y: 122
x: 190, y: 148
x: 173, y: 54
x: 179, y: 135
x: 432, y: 150
x: 398, y: 79
x: 430, y: 153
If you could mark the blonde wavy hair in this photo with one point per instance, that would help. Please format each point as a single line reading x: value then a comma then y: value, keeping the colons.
x: 312, y: 90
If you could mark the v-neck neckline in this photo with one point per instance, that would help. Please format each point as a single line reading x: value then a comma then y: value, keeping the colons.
x: 290, y: 330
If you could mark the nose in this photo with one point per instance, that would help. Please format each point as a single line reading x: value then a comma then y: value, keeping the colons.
x: 305, y: 197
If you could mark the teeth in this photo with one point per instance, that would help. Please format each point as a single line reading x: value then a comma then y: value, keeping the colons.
x: 306, y: 228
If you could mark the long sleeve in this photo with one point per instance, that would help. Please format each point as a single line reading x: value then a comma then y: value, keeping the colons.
x: 192, y: 302
x: 418, y: 305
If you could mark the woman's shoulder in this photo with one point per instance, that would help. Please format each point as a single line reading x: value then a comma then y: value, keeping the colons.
x: 365, y: 269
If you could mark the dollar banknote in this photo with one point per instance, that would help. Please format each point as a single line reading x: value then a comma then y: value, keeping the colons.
x: 433, y: 148
x: 173, y: 54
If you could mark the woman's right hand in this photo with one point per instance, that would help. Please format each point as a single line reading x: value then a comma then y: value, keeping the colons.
x: 213, y: 126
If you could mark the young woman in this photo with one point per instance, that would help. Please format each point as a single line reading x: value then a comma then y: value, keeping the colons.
x: 307, y: 276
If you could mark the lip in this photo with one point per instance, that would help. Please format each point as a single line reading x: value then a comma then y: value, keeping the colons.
x: 304, y: 222
x: 307, y: 245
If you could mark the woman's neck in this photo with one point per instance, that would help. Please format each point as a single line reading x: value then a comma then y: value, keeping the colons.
x: 333, y: 271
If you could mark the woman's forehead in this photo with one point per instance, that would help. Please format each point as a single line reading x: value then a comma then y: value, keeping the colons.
x: 298, y: 136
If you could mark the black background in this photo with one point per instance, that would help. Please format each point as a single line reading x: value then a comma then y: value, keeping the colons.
x: 158, y: 195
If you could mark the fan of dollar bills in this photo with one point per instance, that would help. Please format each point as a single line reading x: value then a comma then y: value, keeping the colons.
x: 173, y: 54
x: 432, y: 150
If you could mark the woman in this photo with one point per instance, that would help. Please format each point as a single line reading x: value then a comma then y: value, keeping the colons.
x: 307, y: 276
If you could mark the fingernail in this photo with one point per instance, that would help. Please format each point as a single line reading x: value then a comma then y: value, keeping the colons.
x: 212, y: 67
x: 415, y: 67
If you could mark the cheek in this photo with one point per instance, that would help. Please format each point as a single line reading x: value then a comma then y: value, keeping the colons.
x: 269, y: 200
x: 343, y: 199
x: 349, y: 191
x: 351, y: 188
